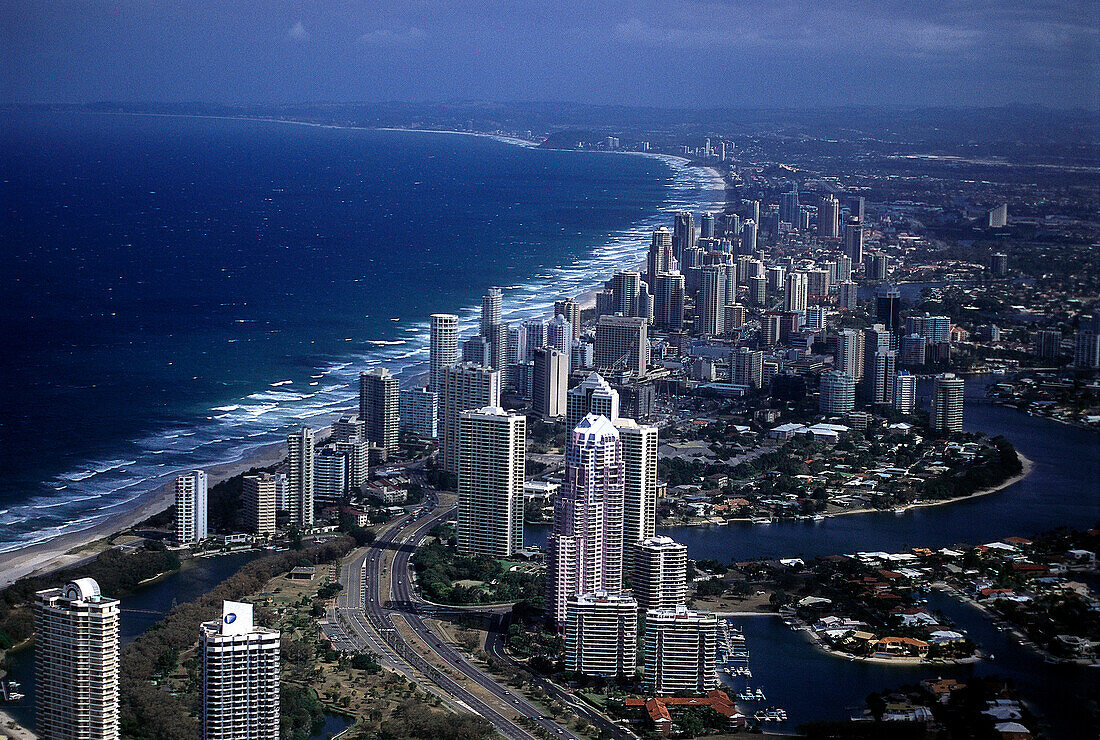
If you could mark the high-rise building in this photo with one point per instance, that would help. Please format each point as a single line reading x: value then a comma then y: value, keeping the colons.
x: 680, y: 651
x: 828, y: 217
x: 848, y: 295
x: 490, y: 482
x: 282, y: 492
x: 550, y: 383
x: 853, y: 241
x: 789, y: 207
x: 770, y: 329
x: 758, y: 291
x: 877, y: 266
x: 535, y: 329
x: 625, y: 286
x: 816, y: 318
x: 465, y: 386
x: 639, y: 445
x: 660, y: 573
x: 330, y: 473
x: 849, y: 354
x: 905, y: 392
x: 259, y: 503
x: 838, y: 393
x: 888, y: 306
x: 843, y: 269
x: 999, y: 264
x: 601, y: 634
x: 419, y: 412
x: 1047, y: 344
x: 571, y: 310
x: 76, y: 663
x: 593, y: 395
x: 300, y: 476
x: 912, y: 349
x: 240, y: 677
x: 493, y: 330
x: 997, y: 218
x: 947, y: 403
x: 731, y: 226
x: 659, y: 259
x: 347, y: 427
x: 817, y: 283
x: 1086, y: 344
x: 857, y: 206
x: 932, y: 328
x: 748, y: 237
x: 443, y: 350
x: 191, y: 507
x: 622, y: 344
x: 668, y: 302
x: 796, y: 295
x: 356, y: 454
x: 879, y: 378
x: 735, y: 316
x: 710, y: 308
x: 585, y: 550
x: 706, y: 226
x: 683, y: 233
x: 747, y: 367
x: 476, y: 349
x: 560, y: 335
x: 379, y: 408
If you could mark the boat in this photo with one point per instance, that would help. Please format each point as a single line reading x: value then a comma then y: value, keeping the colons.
x: 899, y: 510
x: 819, y: 517
x: 759, y: 695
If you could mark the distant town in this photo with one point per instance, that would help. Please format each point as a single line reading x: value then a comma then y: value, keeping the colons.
x: 492, y: 549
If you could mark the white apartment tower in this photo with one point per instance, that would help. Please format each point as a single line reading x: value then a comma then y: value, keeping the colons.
x: 593, y: 395
x: 443, y: 350
x: 680, y: 649
x: 76, y: 663
x: 660, y: 573
x: 240, y: 677
x: 465, y: 386
x: 300, y: 476
x: 191, y: 507
x: 796, y: 296
x: 259, y: 503
x: 947, y: 403
x: 905, y: 392
x: 490, y: 482
x: 601, y: 634
x: 639, y: 444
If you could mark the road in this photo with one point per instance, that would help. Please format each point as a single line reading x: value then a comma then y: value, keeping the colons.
x: 367, y: 622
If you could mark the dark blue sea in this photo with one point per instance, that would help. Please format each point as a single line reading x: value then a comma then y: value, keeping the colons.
x: 178, y: 291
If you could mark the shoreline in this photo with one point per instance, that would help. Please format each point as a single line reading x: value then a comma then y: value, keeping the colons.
x: 80, y: 545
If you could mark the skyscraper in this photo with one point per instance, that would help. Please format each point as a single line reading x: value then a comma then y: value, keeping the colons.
x: 683, y: 233
x: 191, y: 507
x: 838, y: 392
x: 706, y: 225
x: 932, y: 328
x: 419, y: 412
x: 947, y: 403
x: 905, y: 392
x: 680, y: 651
x: 601, y: 634
x: 465, y: 386
x: 639, y: 446
x: 710, y: 308
x: 625, y: 286
x: 490, y: 482
x: 585, y: 549
x: 789, y: 207
x: 536, y: 337
x: 660, y: 258
x: 660, y: 573
x: 240, y: 677
x: 379, y: 408
x: 848, y: 295
x: 828, y: 217
x: 796, y: 295
x: 747, y: 367
x: 550, y: 383
x: 330, y: 474
x: 758, y: 291
x: 770, y: 329
x: 493, y: 330
x: 76, y: 663
x: 622, y: 344
x: 593, y: 395
x: 259, y: 503
x: 882, y: 371
x: 888, y: 306
x: 668, y: 299
x: 559, y: 335
x: 300, y: 476
x: 748, y: 237
x: 443, y: 350
x: 849, y: 353
x: 853, y: 241
x: 571, y: 311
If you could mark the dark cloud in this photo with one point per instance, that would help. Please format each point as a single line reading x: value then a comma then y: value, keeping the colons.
x: 675, y: 52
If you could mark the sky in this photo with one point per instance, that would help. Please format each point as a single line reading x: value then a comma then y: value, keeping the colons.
x: 665, y: 53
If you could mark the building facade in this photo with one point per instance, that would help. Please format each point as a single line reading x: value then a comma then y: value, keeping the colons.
x: 490, y: 482
x: 660, y: 573
x: 680, y: 651
x: 240, y: 677
x: 191, y: 507
x: 601, y: 634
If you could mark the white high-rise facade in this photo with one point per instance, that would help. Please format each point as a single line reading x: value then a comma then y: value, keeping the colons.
x: 490, y: 482
x: 443, y: 349
x: 240, y: 677
x: 849, y: 353
x: 465, y: 386
x: 680, y: 651
x: 191, y: 507
x: 419, y: 409
x: 796, y: 296
x: 76, y: 663
x: 947, y: 403
x: 300, y: 478
x: 259, y: 503
x: 710, y: 313
x: 905, y: 392
x: 660, y: 573
x: 838, y: 392
x: 639, y: 445
x: 593, y: 395
x: 585, y: 549
x: 601, y: 634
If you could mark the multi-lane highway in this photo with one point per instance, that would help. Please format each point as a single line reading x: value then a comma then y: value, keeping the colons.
x: 366, y: 612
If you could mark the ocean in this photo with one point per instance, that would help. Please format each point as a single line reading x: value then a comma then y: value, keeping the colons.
x: 179, y: 291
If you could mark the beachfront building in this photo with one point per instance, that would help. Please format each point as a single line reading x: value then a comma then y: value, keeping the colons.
x: 443, y: 348
x: 76, y: 663
x: 465, y: 386
x: 947, y: 403
x: 260, y: 494
x: 379, y: 409
x: 240, y: 677
x: 660, y: 573
x: 680, y: 651
x: 330, y: 471
x: 570, y: 311
x: 490, y: 482
x: 639, y: 445
x: 585, y: 549
x: 601, y: 634
x: 191, y: 507
x: 419, y: 412
x: 299, y: 476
